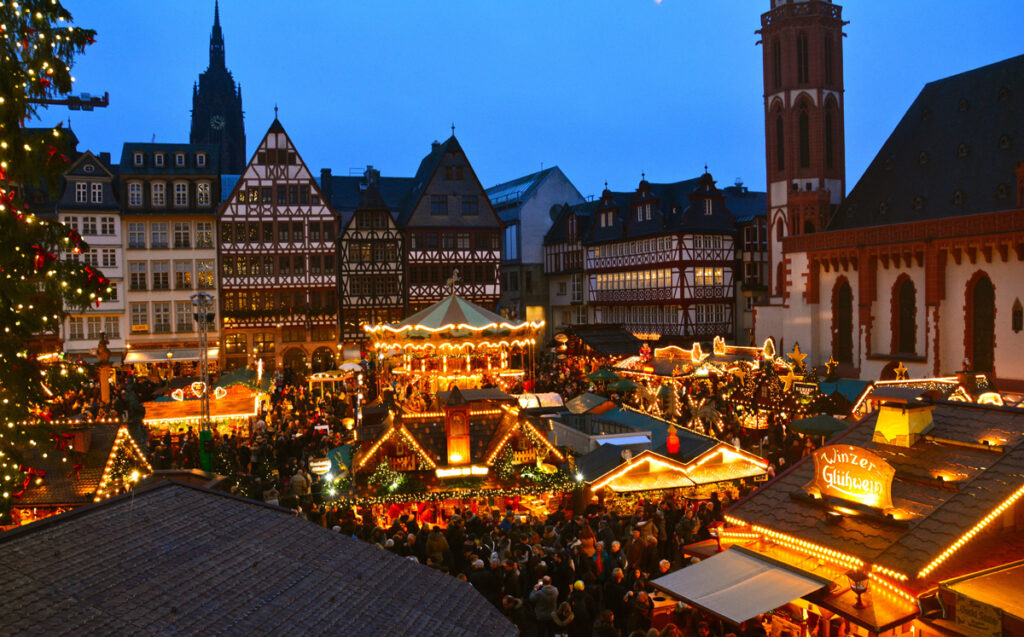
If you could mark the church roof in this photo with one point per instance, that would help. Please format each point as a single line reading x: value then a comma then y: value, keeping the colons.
x: 951, y: 155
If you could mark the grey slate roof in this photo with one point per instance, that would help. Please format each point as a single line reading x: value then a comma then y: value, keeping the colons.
x: 505, y: 196
x: 127, y: 166
x: 962, y: 134
x: 985, y: 479
x: 181, y: 560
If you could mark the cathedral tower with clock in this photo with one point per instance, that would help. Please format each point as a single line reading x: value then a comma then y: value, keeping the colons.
x: 217, y: 107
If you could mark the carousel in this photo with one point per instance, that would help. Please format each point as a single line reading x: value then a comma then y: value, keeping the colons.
x: 456, y: 343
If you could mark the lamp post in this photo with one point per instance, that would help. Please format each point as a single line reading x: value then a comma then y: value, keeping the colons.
x: 859, y: 585
x: 202, y: 312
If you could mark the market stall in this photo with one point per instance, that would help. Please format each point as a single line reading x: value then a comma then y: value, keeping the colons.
x: 231, y: 409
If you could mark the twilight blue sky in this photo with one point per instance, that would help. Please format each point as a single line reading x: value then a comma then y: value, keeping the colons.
x: 603, y: 88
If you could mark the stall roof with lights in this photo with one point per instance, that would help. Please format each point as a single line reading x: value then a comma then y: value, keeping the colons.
x: 131, y: 565
x: 948, y: 486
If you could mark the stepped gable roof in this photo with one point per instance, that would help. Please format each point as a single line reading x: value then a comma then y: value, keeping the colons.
x: 952, y: 154
x: 141, y: 563
x: 979, y: 480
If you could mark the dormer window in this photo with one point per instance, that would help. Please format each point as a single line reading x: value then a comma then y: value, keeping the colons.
x: 179, y: 160
x: 137, y: 159
x: 158, y: 160
x: 201, y: 160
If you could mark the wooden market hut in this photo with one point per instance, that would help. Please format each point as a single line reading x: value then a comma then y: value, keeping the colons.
x: 919, y: 492
x: 87, y: 463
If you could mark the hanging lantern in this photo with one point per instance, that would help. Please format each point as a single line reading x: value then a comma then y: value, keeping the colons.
x: 672, y: 444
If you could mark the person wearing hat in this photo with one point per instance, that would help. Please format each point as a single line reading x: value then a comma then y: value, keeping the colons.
x: 584, y: 610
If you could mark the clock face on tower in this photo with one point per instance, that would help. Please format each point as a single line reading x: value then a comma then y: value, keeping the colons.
x: 217, y: 122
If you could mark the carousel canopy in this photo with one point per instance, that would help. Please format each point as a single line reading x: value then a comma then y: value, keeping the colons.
x: 454, y: 313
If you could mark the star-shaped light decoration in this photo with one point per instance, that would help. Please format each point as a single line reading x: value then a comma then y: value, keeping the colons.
x: 831, y: 364
x: 796, y: 355
x: 902, y: 373
x: 789, y: 379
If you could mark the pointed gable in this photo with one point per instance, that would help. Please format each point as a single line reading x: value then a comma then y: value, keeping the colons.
x: 275, y: 161
x: 446, y: 174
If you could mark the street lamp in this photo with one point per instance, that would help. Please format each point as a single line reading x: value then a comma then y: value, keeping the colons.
x: 202, y: 312
x: 859, y: 585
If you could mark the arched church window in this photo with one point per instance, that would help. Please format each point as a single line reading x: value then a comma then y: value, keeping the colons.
x: 904, y: 316
x: 805, y: 137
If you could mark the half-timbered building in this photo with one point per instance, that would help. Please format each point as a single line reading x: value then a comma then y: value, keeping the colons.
x: 449, y: 225
x: 563, y: 266
x: 277, y: 256
x: 371, y: 277
x: 661, y: 260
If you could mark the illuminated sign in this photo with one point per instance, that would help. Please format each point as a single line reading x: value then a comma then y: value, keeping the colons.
x: 851, y: 473
x: 454, y: 472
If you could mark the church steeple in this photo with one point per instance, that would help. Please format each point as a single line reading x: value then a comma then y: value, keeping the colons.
x: 217, y: 116
x: 216, y: 40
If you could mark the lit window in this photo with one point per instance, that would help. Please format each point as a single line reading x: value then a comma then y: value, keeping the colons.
x: 203, y: 194
x: 158, y: 194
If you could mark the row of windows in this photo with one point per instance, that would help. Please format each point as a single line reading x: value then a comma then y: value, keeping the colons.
x: 155, y: 317
x: 180, y: 192
x: 87, y: 225
x: 635, y: 280
x: 186, y: 275
x: 263, y: 301
x: 88, y: 192
x: 90, y: 327
x: 631, y: 248
x: 439, y: 205
x: 287, y: 195
x: 481, y: 241
x: 160, y: 159
x: 263, y: 342
x: 161, y: 233
x: 707, y: 241
x: 369, y: 220
x: 710, y: 313
x: 380, y: 285
x: 279, y: 156
x: 557, y: 262
x: 97, y: 257
x: 643, y: 314
x: 370, y: 251
x: 279, y: 232
x: 708, y: 276
x: 280, y: 265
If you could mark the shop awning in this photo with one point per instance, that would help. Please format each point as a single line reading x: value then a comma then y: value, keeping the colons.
x: 738, y: 584
x: 161, y: 355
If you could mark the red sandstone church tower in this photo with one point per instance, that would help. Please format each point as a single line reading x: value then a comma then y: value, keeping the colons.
x: 803, y: 109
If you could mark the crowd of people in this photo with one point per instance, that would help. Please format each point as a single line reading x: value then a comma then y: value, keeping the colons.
x: 584, y: 573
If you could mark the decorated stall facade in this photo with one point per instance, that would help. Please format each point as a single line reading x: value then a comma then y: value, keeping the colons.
x: 478, y: 450
x: 232, y: 405
x: 456, y: 343
x: 920, y: 491
x: 88, y: 462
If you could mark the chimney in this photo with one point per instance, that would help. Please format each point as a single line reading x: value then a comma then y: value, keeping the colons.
x: 902, y: 425
x: 325, y: 182
x: 105, y: 158
x: 371, y: 175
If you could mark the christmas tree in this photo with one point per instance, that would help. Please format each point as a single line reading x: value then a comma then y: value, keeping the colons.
x: 37, y: 284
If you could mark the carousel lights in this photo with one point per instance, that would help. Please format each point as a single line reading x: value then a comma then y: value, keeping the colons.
x: 518, y: 342
x: 373, y: 329
x: 966, y: 537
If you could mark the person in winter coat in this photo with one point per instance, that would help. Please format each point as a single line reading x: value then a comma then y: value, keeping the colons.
x: 437, y: 546
x: 545, y: 600
x: 563, y: 619
x: 584, y: 609
x: 605, y: 625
